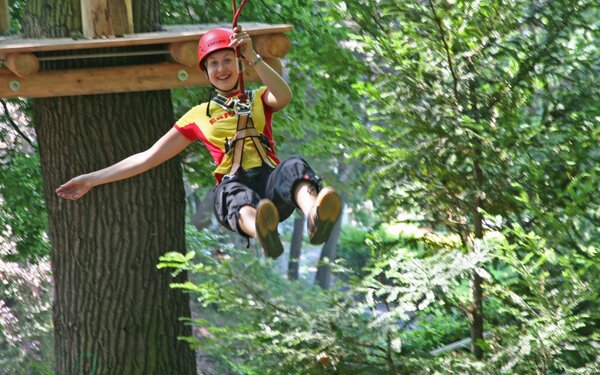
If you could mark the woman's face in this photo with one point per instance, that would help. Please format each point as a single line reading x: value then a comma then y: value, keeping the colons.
x: 222, y: 70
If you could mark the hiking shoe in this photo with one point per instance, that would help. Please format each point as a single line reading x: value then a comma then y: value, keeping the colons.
x: 323, y: 216
x: 267, y: 219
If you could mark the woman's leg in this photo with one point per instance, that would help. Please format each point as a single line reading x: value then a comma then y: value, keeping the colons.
x: 293, y: 184
x: 247, y: 221
x: 305, y: 196
x: 239, y: 209
x: 261, y: 223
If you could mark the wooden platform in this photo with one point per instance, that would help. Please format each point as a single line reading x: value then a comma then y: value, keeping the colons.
x: 22, y: 76
x: 171, y: 34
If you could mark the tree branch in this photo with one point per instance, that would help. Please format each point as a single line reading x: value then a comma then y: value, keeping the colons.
x: 257, y: 295
x: 12, y: 123
x: 540, y: 51
x: 389, y: 357
x: 444, y: 36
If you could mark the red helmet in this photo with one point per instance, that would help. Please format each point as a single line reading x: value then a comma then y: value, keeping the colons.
x: 213, y: 40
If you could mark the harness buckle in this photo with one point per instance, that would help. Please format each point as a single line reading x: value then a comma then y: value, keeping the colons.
x: 265, y: 142
x: 242, y: 108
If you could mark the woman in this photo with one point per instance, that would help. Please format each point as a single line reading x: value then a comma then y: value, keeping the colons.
x: 254, y: 189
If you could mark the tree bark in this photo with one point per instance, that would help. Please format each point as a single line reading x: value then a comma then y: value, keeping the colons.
x: 477, y: 336
x: 114, y: 312
x: 296, y: 247
x: 203, y: 214
x: 476, y: 285
x: 477, y: 316
x: 323, y: 277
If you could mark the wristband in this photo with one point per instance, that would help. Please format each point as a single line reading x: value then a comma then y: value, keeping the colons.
x: 256, y: 61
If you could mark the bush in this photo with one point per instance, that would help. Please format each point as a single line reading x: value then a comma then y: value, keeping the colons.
x: 412, y: 299
x: 26, y: 345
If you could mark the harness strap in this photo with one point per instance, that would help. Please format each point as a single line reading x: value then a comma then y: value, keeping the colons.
x: 238, y: 147
x: 245, y: 133
x: 261, y: 151
x: 246, y: 129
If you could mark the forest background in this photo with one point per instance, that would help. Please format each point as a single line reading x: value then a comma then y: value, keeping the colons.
x: 463, y: 137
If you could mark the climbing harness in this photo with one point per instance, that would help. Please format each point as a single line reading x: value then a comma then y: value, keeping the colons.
x: 245, y: 129
x: 243, y: 110
x: 215, y: 40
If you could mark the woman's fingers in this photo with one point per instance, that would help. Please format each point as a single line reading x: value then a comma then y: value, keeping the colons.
x: 72, y: 195
x: 73, y: 189
x: 240, y: 39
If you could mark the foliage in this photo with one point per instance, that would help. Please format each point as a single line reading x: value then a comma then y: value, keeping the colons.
x: 451, y: 109
x: 16, y: 9
x: 481, y: 105
x: 356, y: 244
x: 280, y: 326
x: 472, y: 108
x: 411, y: 302
x: 23, y: 217
x: 25, y: 318
x: 353, y: 249
x: 546, y: 319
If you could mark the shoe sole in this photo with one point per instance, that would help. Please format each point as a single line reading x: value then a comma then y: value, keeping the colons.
x: 328, y: 212
x: 267, y: 219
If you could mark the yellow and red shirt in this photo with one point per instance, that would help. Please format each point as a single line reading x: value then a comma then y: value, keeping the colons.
x: 220, y: 125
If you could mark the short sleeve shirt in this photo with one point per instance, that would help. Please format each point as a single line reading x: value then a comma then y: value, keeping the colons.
x: 221, y: 124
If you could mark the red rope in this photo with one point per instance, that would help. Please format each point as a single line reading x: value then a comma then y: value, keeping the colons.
x: 236, y: 14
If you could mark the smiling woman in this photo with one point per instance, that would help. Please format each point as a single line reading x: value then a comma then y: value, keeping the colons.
x: 221, y: 68
x: 255, y: 190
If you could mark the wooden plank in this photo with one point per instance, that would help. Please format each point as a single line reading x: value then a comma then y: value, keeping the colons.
x: 172, y: 34
x: 95, y: 19
x: 106, y: 18
x: 267, y: 45
x: 121, y: 12
x: 162, y: 76
x: 253, y: 28
x: 4, y: 16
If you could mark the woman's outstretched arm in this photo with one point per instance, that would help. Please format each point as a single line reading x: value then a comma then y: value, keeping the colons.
x: 169, y: 145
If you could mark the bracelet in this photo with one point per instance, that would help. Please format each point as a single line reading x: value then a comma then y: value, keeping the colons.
x: 258, y: 59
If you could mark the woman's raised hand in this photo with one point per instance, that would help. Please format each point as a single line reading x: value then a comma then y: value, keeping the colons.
x: 242, y: 40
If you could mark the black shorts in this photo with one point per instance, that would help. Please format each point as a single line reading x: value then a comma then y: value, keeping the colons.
x: 248, y: 187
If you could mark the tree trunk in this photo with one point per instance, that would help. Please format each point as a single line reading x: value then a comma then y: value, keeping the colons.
x: 323, y: 277
x: 296, y: 247
x: 477, y: 316
x: 203, y: 211
x: 476, y: 281
x: 114, y: 312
